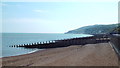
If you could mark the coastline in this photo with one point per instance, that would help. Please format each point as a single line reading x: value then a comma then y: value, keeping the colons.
x: 31, y: 52
x: 102, y: 55
x: 22, y: 38
x: 23, y: 54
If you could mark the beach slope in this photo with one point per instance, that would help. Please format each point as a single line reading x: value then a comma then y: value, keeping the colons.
x: 100, y: 54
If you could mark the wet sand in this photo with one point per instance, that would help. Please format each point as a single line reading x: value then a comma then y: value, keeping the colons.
x: 100, y: 54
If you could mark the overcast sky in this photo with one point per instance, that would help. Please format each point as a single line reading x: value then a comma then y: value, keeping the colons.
x: 56, y: 17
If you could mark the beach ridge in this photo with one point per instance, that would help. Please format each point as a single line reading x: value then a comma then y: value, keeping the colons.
x: 100, y: 54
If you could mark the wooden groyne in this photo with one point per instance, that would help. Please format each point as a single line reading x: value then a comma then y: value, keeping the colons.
x: 66, y: 42
x: 115, y: 42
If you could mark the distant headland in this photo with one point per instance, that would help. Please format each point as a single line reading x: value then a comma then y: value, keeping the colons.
x: 97, y: 29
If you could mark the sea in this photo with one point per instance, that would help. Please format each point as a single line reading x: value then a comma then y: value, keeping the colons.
x: 9, y: 39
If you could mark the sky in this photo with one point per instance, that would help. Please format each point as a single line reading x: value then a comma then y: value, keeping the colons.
x: 56, y: 17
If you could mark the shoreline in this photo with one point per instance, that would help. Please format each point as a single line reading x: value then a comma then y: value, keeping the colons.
x: 31, y: 52
x: 10, y: 52
x: 75, y: 55
x: 22, y: 54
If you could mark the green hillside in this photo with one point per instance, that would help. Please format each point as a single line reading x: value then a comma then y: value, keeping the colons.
x: 116, y: 30
x: 97, y: 29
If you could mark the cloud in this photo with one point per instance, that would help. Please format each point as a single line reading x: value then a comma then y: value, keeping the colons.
x: 60, y: 0
x: 11, y: 5
x: 25, y: 20
x: 39, y: 11
x: 3, y: 4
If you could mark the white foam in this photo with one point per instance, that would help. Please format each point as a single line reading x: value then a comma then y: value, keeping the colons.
x: 35, y: 50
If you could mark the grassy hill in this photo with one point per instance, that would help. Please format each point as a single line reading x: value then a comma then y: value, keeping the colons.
x: 97, y: 29
x: 116, y: 30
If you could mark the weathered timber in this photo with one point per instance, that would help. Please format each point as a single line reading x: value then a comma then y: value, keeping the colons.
x: 66, y: 42
x: 115, y: 42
